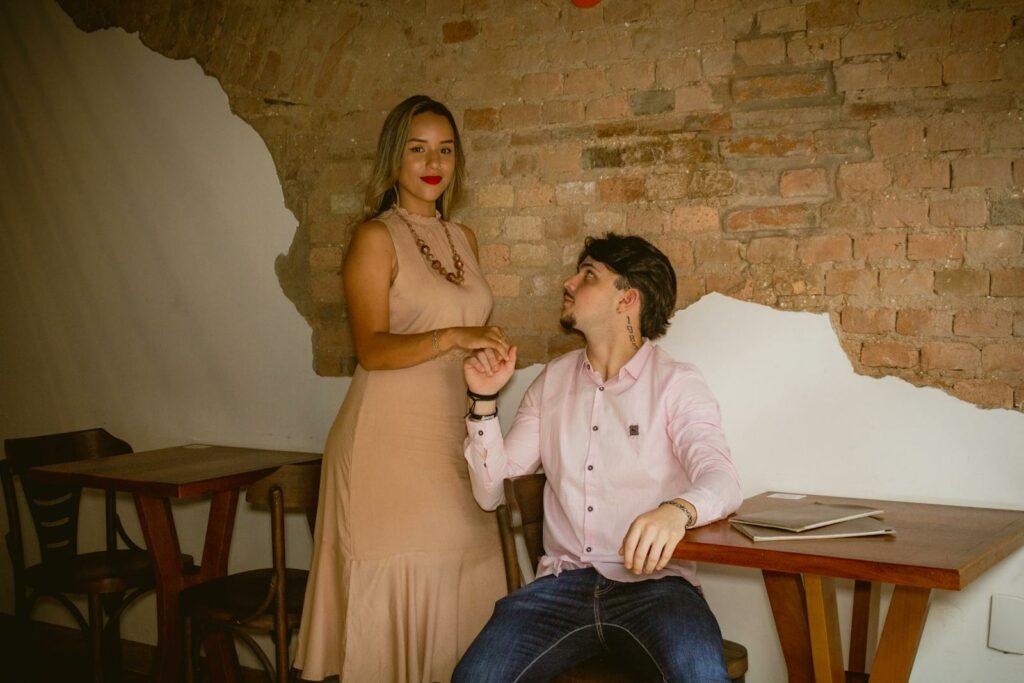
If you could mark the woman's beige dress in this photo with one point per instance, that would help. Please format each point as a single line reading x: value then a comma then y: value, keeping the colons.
x: 406, y: 567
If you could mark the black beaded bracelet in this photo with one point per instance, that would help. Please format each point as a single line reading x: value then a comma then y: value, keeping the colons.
x: 481, y: 397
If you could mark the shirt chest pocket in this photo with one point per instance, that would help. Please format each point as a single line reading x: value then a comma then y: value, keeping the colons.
x: 635, y: 439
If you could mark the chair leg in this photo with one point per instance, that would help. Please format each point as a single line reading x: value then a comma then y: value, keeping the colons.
x: 25, y: 636
x: 96, y: 636
x: 112, y: 637
x: 190, y: 650
x: 281, y: 637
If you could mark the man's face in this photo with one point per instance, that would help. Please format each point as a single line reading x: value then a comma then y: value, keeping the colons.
x: 589, y: 297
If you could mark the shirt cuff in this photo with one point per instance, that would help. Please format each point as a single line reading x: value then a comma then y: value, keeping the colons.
x: 484, y: 451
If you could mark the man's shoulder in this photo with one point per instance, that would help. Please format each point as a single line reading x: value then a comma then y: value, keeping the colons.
x: 667, y: 366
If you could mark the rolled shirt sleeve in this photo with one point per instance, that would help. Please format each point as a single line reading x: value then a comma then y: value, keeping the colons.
x: 493, y: 458
x: 695, y: 428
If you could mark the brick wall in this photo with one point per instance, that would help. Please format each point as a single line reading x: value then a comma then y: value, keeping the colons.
x: 861, y: 158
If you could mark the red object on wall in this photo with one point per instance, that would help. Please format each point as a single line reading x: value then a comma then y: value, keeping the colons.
x: 585, y: 3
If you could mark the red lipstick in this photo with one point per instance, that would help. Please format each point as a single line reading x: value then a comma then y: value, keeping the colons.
x: 431, y: 179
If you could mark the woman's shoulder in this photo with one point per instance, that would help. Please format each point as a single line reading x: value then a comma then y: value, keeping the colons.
x: 373, y: 232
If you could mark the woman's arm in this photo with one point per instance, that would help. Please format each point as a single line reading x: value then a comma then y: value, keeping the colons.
x: 367, y: 274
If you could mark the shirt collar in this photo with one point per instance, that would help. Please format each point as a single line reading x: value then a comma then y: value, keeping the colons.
x: 633, y: 367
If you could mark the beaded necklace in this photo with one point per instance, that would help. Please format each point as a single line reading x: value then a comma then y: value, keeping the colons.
x: 455, y: 278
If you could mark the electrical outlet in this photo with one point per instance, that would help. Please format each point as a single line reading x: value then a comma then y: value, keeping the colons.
x: 1006, y: 624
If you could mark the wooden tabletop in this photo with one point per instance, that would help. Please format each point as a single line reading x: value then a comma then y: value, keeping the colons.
x: 935, y: 546
x: 179, y: 472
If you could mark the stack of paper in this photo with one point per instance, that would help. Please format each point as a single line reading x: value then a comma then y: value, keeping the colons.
x: 811, y: 520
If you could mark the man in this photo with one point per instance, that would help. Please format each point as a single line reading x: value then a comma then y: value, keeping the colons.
x: 632, y: 446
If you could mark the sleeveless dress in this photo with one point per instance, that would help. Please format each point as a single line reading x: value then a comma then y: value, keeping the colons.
x: 406, y: 567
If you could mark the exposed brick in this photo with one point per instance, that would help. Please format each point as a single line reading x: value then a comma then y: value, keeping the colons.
x: 861, y: 76
x: 780, y: 87
x: 771, y: 217
x: 646, y: 219
x: 619, y: 190
x: 955, y: 131
x: 325, y: 259
x: 850, y: 281
x: 1003, y: 358
x: 877, y: 10
x: 906, y: 282
x: 631, y: 76
x: 771, y: 50
x: 1018, y: 172
x: 667, y: 185
x: 981, y: 323
x: 679, y: 252
x: 694, y: 98
x: 962, y: 282
x: 597, y: 222
x: 782, y: 19
x: 612, y: 107
x: 516, y: 116
x: 915, y: 72
x: 949, y: 356
x: 503, y: 284
x: 585, y: 82
x: 672, y: 72
x: 958, y: 211
x: 868, y: 320
x: 924, y: 323
x: 575, y: 193
x: 971, y: 29
x: 984, y: 245
x: 925, y: 31
x: 972, y: 67
x: 715, y: 254
x: 898, y: 213
x: 495, y: 196
x: 857, y: 178
x: 804, y: 182
x: 888, y: 354
x: 987, y: 393
x: 935, y: 247
x: 897, y: 136
x: 829, y: 13
x: 711, y: 182
x: 459, y: 31
x: 1008, y: 212
x: 1008, y: 282
x: 981, y: 172
x: 480, y: 119
x: 495, y: 256
x: 523, y: 228
x: 873, y: 39
x: 695, y: 219
x: 813, y: 48
x: 535, y: 195
x: 780, y: 145
x: 561, y: 111
x: 879, y: 246
x: 651, y: 102
x: 771, y: 250
x: 540, y: 86
x: 826, y: 248
x: 923, y: 173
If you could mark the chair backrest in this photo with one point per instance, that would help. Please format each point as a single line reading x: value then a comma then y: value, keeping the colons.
x: 299, y: 484
x: 521, y: 524
x: 54, y: 508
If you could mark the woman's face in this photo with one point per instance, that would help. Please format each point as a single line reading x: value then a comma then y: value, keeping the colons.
x: 428, y: 160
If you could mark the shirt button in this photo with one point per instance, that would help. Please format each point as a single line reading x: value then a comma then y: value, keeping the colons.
x: 590, y: 508
x: 595, y: 428
x: 588, y: 548
x: 590, y: 467
x: 481, y: 432
x: 600, y: 388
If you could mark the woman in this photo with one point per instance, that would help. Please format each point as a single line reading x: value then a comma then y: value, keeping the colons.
x: 406, y: 567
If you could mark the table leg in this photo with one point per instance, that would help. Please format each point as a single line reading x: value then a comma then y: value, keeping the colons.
x: 162, y: 540
x: 789, y: 609
x: 864, y: 625
x: 901, y: 634
x: 823, y: 623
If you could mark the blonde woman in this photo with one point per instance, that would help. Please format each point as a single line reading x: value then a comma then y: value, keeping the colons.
x: 406, y: 567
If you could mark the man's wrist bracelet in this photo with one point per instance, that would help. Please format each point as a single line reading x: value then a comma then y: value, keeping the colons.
x: 480, y: 418
x: 481, y: 397
x: 689, y: 515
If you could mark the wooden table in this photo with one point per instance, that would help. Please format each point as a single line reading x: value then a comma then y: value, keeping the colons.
x: 154, y: 477
x: 935, y: 546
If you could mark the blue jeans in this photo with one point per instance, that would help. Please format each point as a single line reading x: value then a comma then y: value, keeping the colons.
x: 663, y: 627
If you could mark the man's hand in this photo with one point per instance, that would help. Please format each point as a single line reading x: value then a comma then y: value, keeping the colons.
x: 486, y: 372
x: 652, y: 538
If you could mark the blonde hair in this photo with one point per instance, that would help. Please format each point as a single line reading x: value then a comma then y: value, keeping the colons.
x: 382, y: 189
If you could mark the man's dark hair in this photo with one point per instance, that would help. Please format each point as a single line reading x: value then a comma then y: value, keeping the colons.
x: 639, y: 264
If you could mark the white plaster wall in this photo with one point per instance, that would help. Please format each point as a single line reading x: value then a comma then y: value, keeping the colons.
x: 139, y: 221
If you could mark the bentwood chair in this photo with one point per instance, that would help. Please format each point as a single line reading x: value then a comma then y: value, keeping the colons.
x: 265, y: 600
x: 521, y: 524
x: 112, y: 578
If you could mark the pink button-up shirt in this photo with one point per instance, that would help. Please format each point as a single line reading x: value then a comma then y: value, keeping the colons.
x: 611, y: 451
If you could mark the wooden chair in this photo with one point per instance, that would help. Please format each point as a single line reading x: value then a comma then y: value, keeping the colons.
x: 267, y: 600
x: 112, y: 578
x: 521, y: 523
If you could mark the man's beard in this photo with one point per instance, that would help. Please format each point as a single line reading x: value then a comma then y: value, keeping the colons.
x: 568, y: 322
